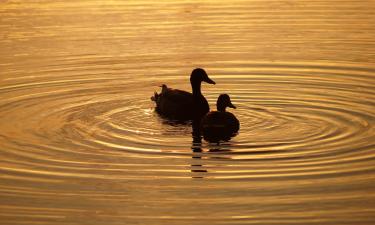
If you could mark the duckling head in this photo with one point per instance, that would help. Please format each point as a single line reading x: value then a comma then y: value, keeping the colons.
x: 224, y: 101
x: 198, y: 75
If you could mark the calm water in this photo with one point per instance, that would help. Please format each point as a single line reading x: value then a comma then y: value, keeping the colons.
x: 80, y: 142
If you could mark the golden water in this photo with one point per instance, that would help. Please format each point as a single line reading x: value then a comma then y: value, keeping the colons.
x: 80, y: 142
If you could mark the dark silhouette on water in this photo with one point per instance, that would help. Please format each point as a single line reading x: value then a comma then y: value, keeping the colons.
x: 181, y: 105
x: 198, y: 169
x: 196, y: 148
x: 220, y: 125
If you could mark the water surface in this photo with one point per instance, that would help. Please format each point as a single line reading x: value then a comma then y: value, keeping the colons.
x: 80, y: 142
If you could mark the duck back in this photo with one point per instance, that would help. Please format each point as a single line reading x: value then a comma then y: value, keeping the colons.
x: 180, y: 105
x: 175, y: 104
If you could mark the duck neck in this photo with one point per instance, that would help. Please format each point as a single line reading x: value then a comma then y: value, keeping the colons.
x: 220, y: 108
x: 196, y: 87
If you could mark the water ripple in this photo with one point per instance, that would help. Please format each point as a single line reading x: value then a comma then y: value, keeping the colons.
x: 317, y: 127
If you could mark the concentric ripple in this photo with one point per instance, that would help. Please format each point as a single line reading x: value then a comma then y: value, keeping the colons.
x: 308, y: 117
x: 307, y: 127
x: 80, y: 142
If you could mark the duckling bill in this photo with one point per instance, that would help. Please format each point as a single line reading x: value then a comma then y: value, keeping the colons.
x: 182, y: 105
x: 220, y: 125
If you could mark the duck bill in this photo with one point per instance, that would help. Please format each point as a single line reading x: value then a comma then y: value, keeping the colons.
x: 231, y: 106
x: 208, y: 80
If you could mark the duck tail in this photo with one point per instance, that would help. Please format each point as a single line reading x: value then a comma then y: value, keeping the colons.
x: 164, y: 88
x: 155, y: 97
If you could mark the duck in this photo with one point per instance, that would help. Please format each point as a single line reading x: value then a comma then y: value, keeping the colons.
x: 220, y: 125
x: 181, y: 105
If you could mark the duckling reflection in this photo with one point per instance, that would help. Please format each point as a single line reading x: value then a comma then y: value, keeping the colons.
x: 181, y: 105
x: 200, y: 156
x: 197, y: 150
x: 220, y: 125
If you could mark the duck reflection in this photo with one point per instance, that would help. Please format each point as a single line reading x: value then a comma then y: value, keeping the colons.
x: 197, y: 167
x: 199, y: 157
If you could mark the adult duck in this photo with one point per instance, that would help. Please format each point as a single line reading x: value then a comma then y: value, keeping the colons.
x: 220, y: 125
x: 182, y: 105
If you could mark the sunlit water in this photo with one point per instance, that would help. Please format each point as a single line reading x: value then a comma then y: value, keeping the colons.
x: 80, y: 142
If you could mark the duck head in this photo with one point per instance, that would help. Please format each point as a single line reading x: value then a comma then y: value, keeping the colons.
x: 198, y: 75
x: 224, y: 101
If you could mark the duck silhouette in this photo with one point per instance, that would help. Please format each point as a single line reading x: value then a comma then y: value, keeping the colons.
x: 220, y: 125
x: 182, y: 105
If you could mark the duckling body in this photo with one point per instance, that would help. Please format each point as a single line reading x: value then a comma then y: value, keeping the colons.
x: 182, y: 105
x: 220, y: 125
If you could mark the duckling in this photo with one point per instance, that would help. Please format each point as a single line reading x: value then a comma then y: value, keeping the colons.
x: 182, y: 105
x: 220, y: 125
